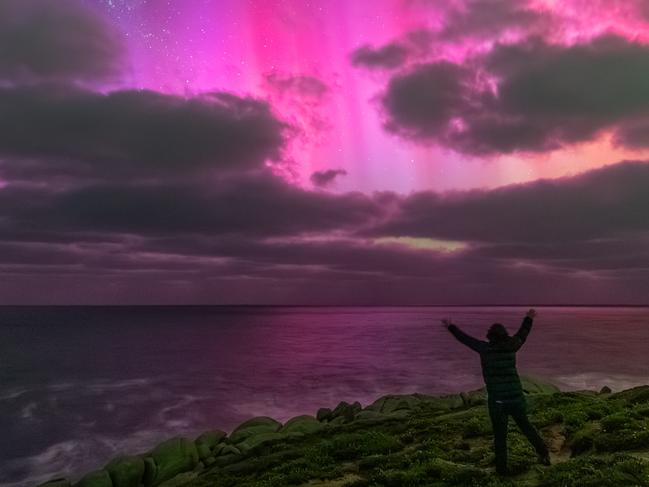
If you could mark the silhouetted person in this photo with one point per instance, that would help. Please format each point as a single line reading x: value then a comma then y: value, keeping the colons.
x: 504, y: 390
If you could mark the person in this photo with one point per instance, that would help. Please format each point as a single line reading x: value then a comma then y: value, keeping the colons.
x: 505, y: 395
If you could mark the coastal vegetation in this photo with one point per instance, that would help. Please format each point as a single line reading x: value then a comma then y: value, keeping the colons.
x: 597, y: 439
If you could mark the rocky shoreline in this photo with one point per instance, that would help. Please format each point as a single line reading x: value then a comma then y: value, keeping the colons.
x: 596, y: 439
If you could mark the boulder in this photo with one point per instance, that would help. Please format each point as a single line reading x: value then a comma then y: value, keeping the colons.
x: 254, y: 426
x: 210, y: 439
x: 172, y: 457
x: 229, y: 450
x: 346, y: 410
x: 393, y: 402
x: 368, y: 414
x: 126, y: 471
x: 150, y: 471
x: 634, y: 395
x: 98, y: 478
x: 535, y: 386
x: 203, y: 451
x: 323, y: 414
x: 474, y: 398
x: 254, y: 441
x: 301, y: 424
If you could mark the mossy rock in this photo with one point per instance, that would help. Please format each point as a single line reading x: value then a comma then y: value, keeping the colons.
x: 126, y: 471
x: 368, y: 414
x: 346, y: 411
x: 535, y: 386
x: 474, y: 398
x: 58, y: 482
x: 98, y: 478
x: 584, y: 439
x: 210, y: 438
x: 323, y: 414
x: 451, y: 401
x: 228, y: 450
x: 254, y: 426
x: 633, y: 396
x: 255, y: 441
x: 302, y: 424
x: 150, y: 471
x: 172, y: 457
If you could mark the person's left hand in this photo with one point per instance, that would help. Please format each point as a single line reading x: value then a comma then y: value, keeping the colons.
x: 446, y: 323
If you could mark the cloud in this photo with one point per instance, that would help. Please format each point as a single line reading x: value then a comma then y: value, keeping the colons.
x: 488, y: 18
x: 56, y: 40
x: 530, y: 96
x: 301, y: 85
x: 253, y: 204
x: 134, y: 133
x: 605, y: 203
x: 323, y: 179
x: 389, y: 56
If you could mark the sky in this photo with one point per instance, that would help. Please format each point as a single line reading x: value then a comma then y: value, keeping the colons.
x: 324, y: 152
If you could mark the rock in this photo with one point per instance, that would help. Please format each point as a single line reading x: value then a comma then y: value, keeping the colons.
x: 301, y: 424
x: 229, y: 449
x: 126, y: 471
x: 393, y: 402
x: 605, y: 390
x: 59, y: 482
x: 172, y: 457
x: 535, y: 386
x: 254, y: 441
x: 254, y: 426
x: 474, y: 398
x: 367, y: 414
x: 227, y: 459
x: 210, y: 439
x: 203, y: 450
x: 98, y: 478
x: 150, y: 471
x: 323, y: 414
x: 337, y: 421
x: 346, y: 410
x: 634, y: 395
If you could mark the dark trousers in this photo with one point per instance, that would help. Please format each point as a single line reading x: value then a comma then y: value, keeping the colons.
x: 499, y: 412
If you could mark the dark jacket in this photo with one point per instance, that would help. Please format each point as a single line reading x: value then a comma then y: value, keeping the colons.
x: 498, y: 359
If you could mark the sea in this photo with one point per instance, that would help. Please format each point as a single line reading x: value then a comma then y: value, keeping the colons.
x: 79, y: 385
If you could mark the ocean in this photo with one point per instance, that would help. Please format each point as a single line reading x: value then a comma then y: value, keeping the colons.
x: 80, y: 384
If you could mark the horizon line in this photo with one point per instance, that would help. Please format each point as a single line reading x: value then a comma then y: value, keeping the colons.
x: 144, y: 305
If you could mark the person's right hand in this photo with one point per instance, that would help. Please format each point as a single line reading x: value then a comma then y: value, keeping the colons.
x: 531, y: 313
x: 446, y: 323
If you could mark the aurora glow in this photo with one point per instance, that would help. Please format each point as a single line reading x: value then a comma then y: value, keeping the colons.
x: 324, y: 152
x: 192, y: 46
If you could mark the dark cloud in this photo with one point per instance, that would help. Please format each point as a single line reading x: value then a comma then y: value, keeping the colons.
x: 565, y: 240
x: 389, y: 56
x: 605, y: 203
x: 323, y: 179
x: 254, y: 204
x: 56, y: 40
x: 132, y: 132
x: 547, y: 96
x: 486, y: 18
x: 301, y: 85
x: 423, y: 102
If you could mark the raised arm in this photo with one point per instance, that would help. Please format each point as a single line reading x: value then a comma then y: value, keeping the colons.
x: 526, y: 326
x: 473, y: 343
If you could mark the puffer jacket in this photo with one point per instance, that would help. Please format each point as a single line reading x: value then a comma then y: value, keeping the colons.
x: 498, y: 360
